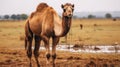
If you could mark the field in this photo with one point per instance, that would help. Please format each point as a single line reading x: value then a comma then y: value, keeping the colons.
x: 106, y: 32
x: 94, y: 32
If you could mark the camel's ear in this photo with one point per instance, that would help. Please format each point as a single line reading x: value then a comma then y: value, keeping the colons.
x: 73, y: 5
x: 62, y: 6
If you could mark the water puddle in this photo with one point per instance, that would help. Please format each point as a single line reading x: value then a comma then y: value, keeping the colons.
x: 87, y: 49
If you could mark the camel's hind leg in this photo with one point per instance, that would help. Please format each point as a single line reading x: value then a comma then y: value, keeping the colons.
x: 29, y: 48
x: 55, y: 42
x: 36, y: 49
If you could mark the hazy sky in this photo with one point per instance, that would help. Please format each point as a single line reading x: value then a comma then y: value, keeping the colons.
x: 28, y: 6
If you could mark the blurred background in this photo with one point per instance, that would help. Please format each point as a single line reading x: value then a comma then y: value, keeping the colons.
x: 94, y: 37
x: 83, y: 8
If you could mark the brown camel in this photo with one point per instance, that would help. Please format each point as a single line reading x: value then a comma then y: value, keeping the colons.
x: 43, y: 24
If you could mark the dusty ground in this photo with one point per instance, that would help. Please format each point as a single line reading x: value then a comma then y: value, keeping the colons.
x: 18, y: 58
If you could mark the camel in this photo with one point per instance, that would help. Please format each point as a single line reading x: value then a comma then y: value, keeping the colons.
x: 44, y: 24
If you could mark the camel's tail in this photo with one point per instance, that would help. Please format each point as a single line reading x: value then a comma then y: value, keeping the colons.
x: 28, y: 33
x: 25, y: 44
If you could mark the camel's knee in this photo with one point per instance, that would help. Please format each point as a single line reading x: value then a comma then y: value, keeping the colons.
x: 30, y: 38
x: 48, y: 56
x: 37, y: 38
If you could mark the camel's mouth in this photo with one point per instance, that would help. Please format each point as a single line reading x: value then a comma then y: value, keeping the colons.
x: 70, y: 15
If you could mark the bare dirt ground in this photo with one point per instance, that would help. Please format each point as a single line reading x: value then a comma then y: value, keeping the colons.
x: 18, y: 58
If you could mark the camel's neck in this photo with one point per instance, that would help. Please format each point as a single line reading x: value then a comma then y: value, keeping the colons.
x: 66, y: 24
x: 61, y: 27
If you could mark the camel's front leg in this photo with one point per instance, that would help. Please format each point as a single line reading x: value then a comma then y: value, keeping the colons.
x: 47, y: 53
x: 46, y: 42
x: 55, y: 42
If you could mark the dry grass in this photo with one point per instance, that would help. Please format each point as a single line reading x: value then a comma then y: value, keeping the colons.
x: 10, y: 33
x: 105, y: 33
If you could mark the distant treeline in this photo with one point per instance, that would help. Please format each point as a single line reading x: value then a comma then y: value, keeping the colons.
x: 14, y: 17
x: 25, y: 16
x: 90, y: 16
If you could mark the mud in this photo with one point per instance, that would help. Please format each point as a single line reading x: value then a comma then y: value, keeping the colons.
x: 18, y: 58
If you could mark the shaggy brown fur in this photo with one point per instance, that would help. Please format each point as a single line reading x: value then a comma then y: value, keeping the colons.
x: 43, y: 24
x: 41, y: 6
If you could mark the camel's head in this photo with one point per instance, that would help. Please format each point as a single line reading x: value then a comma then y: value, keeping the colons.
x: 68, y: 9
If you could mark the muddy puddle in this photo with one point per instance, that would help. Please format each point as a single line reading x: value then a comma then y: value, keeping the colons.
x: 87, y: 49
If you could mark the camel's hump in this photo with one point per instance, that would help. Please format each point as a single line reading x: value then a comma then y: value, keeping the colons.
x: 41, y: 6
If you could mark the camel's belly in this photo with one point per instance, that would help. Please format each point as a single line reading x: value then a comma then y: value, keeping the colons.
x: 35, y: 28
